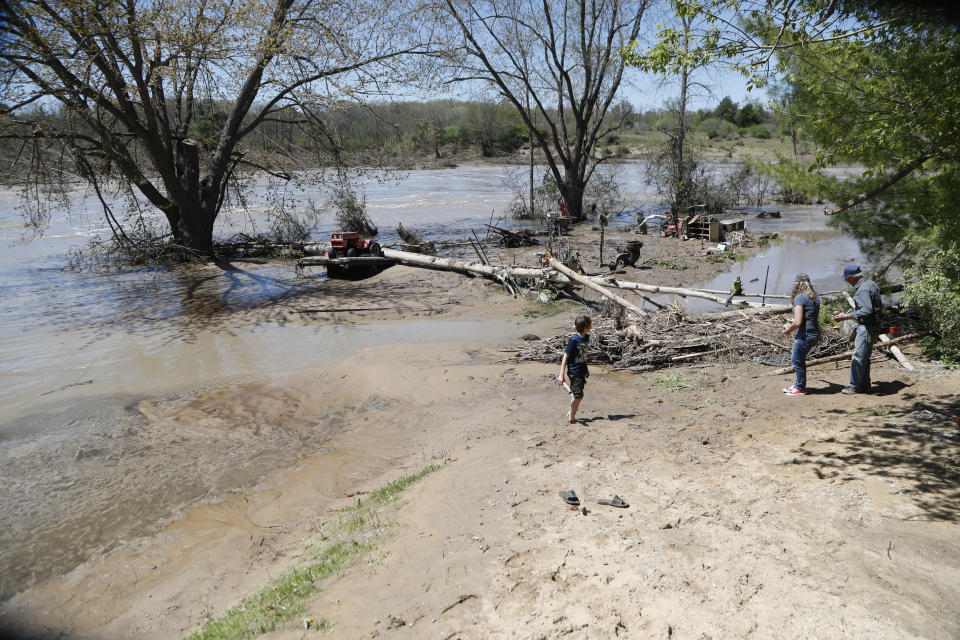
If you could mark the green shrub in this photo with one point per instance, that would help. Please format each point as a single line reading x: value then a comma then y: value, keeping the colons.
x: 827, y: 309
x: 933, y: 288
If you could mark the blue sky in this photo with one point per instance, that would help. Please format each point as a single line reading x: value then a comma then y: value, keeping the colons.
x: 645, y: 92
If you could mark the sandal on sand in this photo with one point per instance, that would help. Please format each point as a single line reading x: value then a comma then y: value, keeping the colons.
x: 570, y: 497
x: 616, y: 502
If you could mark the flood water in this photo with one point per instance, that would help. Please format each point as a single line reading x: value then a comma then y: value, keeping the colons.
x: 66, y: 336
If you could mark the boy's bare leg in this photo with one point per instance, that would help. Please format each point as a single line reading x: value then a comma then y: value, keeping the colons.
x: 574, y: 405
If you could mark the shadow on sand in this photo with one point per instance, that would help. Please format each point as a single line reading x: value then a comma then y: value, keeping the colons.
x: 917, y: 446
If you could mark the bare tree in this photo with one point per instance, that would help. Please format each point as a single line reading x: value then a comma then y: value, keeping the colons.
x: 137, y: 82
x: 568, y: 56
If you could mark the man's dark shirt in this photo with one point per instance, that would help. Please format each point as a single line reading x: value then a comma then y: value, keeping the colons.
x: 868, y: 305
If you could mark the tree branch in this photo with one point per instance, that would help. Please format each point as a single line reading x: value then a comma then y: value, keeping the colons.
x: 892, y: 180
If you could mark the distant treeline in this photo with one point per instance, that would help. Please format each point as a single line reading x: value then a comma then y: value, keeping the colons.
x: 440, y: 128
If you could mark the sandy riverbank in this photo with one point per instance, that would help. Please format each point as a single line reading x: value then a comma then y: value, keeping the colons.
x: 824, y: 516
x: 751, y: 513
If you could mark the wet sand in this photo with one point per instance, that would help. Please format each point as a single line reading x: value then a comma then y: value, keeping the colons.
x: 836, y: 517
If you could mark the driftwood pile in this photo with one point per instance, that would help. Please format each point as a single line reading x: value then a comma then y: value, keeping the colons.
x: 671, y: 337
x: 513, y: 239
x: 413, y: 240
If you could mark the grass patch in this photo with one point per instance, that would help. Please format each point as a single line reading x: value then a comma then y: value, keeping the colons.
x: 703, y: 403
x: 675, y: 382
x: 343, y: 544
x: 872, y: 411
x: 537, y: 309
x: 768, y: 240
x: 666, y: 264
x: 727, y: 256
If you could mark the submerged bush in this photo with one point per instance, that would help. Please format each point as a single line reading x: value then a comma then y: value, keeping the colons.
x: 350, y: 207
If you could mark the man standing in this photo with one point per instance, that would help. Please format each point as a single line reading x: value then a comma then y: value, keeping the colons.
x: 867, y: 311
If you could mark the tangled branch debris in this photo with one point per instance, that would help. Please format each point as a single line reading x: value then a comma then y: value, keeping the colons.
x: 513, y: 239
x: 413, y: 240
x: 671, y: 337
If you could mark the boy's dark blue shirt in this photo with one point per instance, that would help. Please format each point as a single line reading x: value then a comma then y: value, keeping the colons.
x: 577, y: 354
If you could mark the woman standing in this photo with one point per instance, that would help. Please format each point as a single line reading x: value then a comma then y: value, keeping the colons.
x: 806, y: 312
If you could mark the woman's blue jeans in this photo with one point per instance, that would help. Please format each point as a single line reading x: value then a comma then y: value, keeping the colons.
x: 802, y: 346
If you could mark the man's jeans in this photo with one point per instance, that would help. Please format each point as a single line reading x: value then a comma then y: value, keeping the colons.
x: 799, y: 359
x: 860, y: 364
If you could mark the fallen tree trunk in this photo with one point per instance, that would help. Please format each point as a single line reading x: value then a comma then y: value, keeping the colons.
x: 463, y: 266
x: 842, y: 356
x: 902, y: 359
x: 770, y: 309
x: 589, y: 283
x: 683, y: 292
x: 775, y: 296
x: 556, y: 275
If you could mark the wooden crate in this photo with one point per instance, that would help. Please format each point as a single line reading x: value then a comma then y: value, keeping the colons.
x: 718, y: 229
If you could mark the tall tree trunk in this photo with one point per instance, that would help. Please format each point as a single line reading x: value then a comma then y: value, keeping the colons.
x: 572, y: 193
x: 195, y: 201
x: 682, y: 137
x: 195, y: 229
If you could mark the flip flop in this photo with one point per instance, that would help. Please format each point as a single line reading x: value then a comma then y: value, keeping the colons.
x: 616, y: 502
x: 570, y: 497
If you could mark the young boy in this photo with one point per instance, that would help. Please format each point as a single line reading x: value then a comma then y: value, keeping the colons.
x: 574, y: 364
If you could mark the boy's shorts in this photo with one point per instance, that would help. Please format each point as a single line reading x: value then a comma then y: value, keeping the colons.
x: 576, y: 384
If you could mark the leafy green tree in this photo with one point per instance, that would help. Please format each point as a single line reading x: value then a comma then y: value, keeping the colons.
x: 749, y: 115
x: 889, y: 98
x: 726, y: 110
x: 683, y: 50
x: 876, y: 83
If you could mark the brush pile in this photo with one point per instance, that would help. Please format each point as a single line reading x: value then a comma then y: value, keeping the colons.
x: 413, y: 240
x: 671, y: 337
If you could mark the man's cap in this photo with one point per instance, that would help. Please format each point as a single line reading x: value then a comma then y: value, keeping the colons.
x: 802, y: 277
x: 851, y: 270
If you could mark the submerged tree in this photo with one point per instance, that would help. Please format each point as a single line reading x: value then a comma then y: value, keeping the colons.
x: 687, y: 45
x: 159, y: 95
x: 560, y: 64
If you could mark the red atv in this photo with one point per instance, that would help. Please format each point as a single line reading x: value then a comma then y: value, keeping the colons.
x: 349, y: 244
